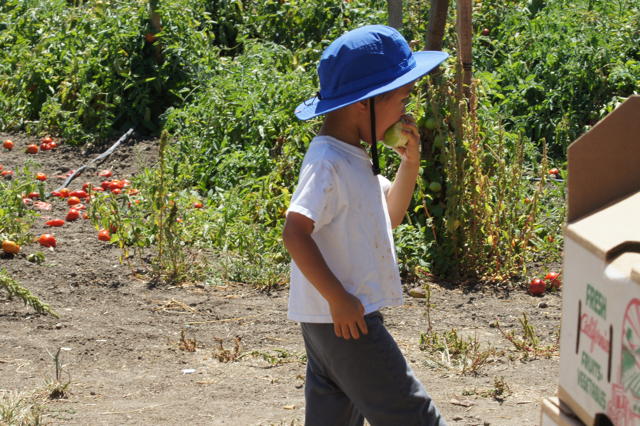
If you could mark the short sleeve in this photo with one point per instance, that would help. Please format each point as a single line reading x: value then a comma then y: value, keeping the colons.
x: 385, y: 184
x: 317, y: 194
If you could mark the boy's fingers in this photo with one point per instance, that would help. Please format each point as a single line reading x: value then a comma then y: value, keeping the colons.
x: 353, y: 328
x: 337, y: 329
x: 345, y: 332
x: 363, y: 326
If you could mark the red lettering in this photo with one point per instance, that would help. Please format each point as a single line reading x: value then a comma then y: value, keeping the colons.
x: 589, y: 326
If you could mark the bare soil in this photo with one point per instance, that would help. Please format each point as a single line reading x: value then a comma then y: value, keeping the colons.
x: 120, y: 336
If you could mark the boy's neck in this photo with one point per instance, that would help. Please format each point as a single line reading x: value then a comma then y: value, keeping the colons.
x: 338, y: 125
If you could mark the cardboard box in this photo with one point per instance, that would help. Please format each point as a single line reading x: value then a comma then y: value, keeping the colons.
x: 600, y: 338
x: 556, y: 413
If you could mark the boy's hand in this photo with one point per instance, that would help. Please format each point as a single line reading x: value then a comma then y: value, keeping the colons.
x: 347, y: 313
x: 411, y: 151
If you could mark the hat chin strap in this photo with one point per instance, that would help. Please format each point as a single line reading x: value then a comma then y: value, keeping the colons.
x: 374, y: 142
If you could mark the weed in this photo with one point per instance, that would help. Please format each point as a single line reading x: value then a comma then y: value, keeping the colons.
x: 500, y: 390
x: 529, y: 343
x: 13, y: 288
x: 450, y: 350
x: 20, y: 409
x: 184, y: 344
x: 54, y: 388
x: 227, y: 355
x: 281, y: 356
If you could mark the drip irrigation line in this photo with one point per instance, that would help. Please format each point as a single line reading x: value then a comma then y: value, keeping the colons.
x: 532, y: 179
x: 98, y: 158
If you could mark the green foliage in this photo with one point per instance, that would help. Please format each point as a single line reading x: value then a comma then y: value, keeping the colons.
x: 14, y: 289
x: 15, y: 218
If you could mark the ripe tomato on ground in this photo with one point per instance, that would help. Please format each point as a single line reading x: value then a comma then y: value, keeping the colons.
x: 85, y: 187
x: 79, y: 207
x: 32, y: 149
x: 7, y: 174
x: 105, y: 185
x: 8, y: 144
x: 10, y: 247
x: 41, y: 176
x: 55, y: 222
x: 47, y: 240
x: 553, y: 279
x: 104, y: 235
x: 73, y: 201
x: 116, y: 191
x: 64, y: 192
x: 34, y: 195
x: 78, y: 193
x: 45, y: 147
x: 105, y: 173
x: 554, y: 171
x: 47, y: 139
x: 72, y: 215
x: 53, y: 145
x: 537, y: 287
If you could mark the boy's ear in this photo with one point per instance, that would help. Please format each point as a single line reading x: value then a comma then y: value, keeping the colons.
x: 363, y: 105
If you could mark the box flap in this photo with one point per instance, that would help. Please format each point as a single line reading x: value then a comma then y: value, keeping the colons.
x: 603, y: 163
x: 610, y: 231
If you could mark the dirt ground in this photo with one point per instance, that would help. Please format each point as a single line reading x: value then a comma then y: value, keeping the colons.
x: 120, y: 337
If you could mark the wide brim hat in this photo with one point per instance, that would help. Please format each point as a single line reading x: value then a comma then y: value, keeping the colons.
x: 363, y: 63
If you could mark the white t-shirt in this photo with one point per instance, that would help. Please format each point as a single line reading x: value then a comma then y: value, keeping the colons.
x: 339, y: 192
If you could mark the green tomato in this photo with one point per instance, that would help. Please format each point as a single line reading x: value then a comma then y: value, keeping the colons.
x: 438, y: 141
x: 435, y: 187
x: 394, y: 137
x: 431, y: 123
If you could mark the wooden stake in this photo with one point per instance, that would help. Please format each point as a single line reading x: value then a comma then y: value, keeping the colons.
x: 395, y: 13
x: 437, y: 22
x: 464, y: 37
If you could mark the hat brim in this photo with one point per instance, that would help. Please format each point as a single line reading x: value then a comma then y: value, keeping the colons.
x: 425, y: 62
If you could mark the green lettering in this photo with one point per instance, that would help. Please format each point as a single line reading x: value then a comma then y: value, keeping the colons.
x: 592, y: 366
x: 596, y: 301
x: 591, y: 389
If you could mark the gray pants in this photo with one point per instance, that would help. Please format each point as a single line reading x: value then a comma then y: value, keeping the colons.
x: 348, y: 380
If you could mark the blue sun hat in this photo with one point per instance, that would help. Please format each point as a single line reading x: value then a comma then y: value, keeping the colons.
x: 364, y: 63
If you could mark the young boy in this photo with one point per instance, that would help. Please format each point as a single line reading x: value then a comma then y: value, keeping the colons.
x: 339, y: 234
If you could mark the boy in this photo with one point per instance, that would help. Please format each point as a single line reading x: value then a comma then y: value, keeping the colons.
x: 339, y: 234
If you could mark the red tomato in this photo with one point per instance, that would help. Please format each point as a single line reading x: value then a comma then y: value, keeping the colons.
x: 537, y: 287
x: 550, y: 238
x: 0, y: 166
x: 39, y: 176
x: 45, y: 147
x: 64, y: 192
x: 79, y: 207
x: 485, y: 32
x: 47, y: 139
x: 7, y: 174
x: 115, y: 184
x: 150, y: 38
x: 85, y: 187
x: 133, y: 192
x: 113, y: 228
x: 553, y: 279
x: 126, y: 183
x: 197, y: 205
x: 57, y: 194
x: 116, y: 191
x: 34, y: 195
x: 72, y: 215
x: 105, y: 173
x: 527, y: 200
x: 84, y: 216
x: 53, y: 145
x: 104, y: 235
x: 105, y: 185
x: 98, y: 188
x: 47, y: 240
x: 179, y: 220
x: 73, y: 201
x: 32, y: 149
x: 8, y: 144
x: 554, y: 171
x: 55, y: 222
x: 79, y: 194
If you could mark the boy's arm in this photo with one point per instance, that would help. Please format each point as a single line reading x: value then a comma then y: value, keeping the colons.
x: 401, y: 191
x: 347, y: 311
